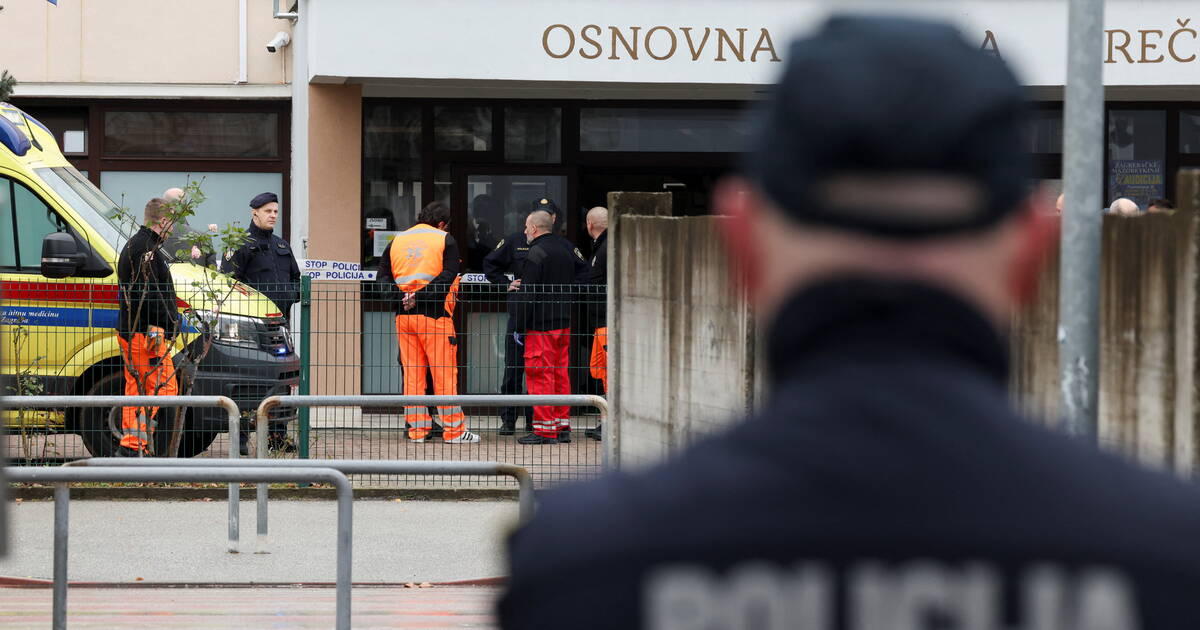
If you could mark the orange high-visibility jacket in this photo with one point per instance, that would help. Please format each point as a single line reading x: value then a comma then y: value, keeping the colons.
x: 417, y: 258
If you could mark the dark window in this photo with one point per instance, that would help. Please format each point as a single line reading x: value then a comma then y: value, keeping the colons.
x: 665, y: 130
x: 8, y: 228
x: 1189, y: 131
x: 26, y: 221
x: 462, y: 128
x: 191, y: 134
x: 391, y: 174
x: 533, y: 134
x: 1045, y: 132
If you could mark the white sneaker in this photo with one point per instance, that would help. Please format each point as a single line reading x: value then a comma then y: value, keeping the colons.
x: 466, y: 438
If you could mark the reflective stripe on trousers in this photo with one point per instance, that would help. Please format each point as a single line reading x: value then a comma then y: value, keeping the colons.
x: 148, y: 372
x: 428, y: 343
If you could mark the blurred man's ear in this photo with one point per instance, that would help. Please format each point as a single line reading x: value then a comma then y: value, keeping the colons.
x: 736, y: 198
x: 1038, y: 228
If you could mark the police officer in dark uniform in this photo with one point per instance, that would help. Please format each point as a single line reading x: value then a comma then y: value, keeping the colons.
x: 507, y: 258
x: 266, y: 262
x: 887, y: 482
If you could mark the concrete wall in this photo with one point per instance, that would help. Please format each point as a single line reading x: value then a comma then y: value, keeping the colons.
x: 681, y: 339
x: 1148, y: 341
x: 135, y: 41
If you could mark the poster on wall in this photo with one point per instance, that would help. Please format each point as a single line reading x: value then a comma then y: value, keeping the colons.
x: 1139, y: 180
x: 380, y: 240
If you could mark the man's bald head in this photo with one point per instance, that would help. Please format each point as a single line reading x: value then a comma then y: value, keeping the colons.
x: 538, y: 222
x: 173, y: 194
x: 1124, y: 206
x: 597, y: 221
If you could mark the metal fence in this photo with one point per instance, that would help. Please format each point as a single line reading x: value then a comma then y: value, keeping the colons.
x: 339, y: 338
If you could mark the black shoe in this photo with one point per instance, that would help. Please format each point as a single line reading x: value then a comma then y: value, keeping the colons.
x: 596, y: 433
x: 507, y: 427
x: 244, y: 449
x: 280, y: 444
x: 436, y: 432
x: 534, y: 438
x: 564, y: 436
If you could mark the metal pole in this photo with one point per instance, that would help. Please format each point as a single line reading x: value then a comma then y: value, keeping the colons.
x: 1082, y: 221
x: 305, y: 365
x: 234, y: 499
x: 260, y: 440
x: 223, y: 472
x: 62, y: 502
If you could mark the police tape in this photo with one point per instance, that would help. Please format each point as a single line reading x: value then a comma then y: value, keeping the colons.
x: 343, y: 270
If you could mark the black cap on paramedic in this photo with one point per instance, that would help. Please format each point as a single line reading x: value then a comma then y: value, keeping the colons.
x: 870, y: 96
x: 262, y: 199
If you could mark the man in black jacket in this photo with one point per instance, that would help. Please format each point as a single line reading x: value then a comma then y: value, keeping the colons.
x: 147, y: 321
x: 267, y: 263
x: 542, y: 320
x: 887, y: 482
x: 507, y: 258
x: 597, y: 301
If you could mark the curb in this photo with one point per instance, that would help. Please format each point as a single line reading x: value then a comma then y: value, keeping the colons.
x: 16, y: 582
x: 46, y: 493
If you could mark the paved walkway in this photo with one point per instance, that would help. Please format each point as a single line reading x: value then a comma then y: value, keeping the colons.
x: 241, y: 608
x: 185, y: 541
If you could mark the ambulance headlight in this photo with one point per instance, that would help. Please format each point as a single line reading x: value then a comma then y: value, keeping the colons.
x: 235, y: 330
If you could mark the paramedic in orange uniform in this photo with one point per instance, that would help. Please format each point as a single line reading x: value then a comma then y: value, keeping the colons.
x: 421, y: 264
x: 148, y: 319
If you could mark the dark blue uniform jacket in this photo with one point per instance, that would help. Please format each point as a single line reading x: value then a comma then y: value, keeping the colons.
x: 886, y: 480
x: 266, y: 262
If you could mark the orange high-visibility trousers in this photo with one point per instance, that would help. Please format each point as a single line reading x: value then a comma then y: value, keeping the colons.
x: 429, y: 343
x: 148, y: 372
x: 599, y: 358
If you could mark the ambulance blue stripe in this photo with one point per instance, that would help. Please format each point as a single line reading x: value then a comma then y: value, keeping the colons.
x: 60, y: 316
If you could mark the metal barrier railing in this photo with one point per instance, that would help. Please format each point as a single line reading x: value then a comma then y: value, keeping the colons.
x: 474, y: 400
x: 56, y: 402
x: 345, y: 466
x: 227, y: 473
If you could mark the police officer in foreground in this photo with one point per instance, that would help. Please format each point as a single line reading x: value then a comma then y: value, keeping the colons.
x: 887, y: 238
x: 508, y: 258
x: 266, y: 262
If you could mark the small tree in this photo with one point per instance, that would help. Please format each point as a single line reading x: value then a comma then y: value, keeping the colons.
x: 7, y: 84
x: 213, y: 290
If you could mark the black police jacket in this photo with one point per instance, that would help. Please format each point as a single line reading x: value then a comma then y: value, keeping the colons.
x: 547, y: 291
x: 508, y: 257
x: 145, y: 290
x: 887, y: 483
x: 266, y: 262
x: 597, y: 280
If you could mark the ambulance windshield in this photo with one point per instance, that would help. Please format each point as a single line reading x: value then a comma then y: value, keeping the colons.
x: 93, y: 206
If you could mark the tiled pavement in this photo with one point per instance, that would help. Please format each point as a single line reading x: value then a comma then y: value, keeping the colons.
x: 241, y: 608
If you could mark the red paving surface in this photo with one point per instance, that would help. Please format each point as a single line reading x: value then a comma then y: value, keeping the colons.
x: 276, y: 607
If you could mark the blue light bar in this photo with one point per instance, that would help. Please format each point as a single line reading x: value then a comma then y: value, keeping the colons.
x: 12, y: 138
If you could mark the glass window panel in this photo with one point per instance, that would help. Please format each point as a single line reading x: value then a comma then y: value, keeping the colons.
x: 498, y: 204
x: 227, y: 195
x: 34, y: 222
x: 1044, y: 132
x: 8, y: 241
x: 533, y: 134
x: 74, y: 141
x: 392, y: 183
x: 462, y: 128
x: 1136, y: 153
x: 191, y: 134
x: 667, y: 130
x: 1189, y: 131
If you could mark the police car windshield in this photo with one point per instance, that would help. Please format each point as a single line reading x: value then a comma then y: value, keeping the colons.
x: 92, y: 205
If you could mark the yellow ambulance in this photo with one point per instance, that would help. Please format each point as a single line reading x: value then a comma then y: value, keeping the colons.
x: 58, y: 313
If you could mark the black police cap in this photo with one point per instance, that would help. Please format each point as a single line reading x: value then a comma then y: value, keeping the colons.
x: 873, y: 96
x: 547, y: 205
x: 263, y: 199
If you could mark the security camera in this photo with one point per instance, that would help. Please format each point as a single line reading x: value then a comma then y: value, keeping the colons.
x: 280, y: 40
